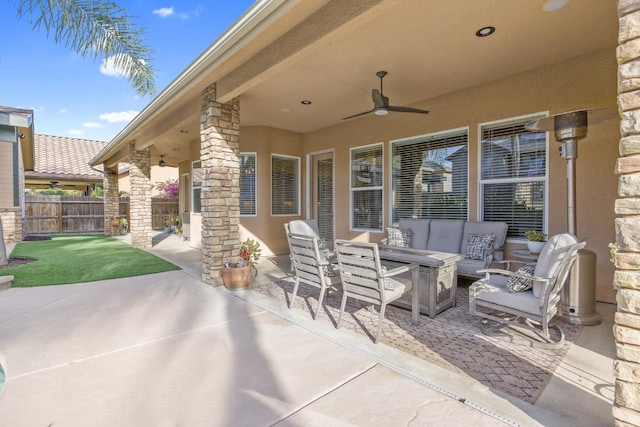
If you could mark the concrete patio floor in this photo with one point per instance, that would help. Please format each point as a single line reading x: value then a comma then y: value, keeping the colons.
x: 166, y: 349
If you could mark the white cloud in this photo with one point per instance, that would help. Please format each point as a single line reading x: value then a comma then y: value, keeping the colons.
x: 163, y: 12
x: 64, y: 110
x: 109, y: 68
x: 92, y: 125
x: 119, y: 117
x: 75, y: 132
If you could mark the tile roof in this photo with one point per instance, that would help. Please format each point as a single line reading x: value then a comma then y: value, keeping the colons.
x: 64, y: 157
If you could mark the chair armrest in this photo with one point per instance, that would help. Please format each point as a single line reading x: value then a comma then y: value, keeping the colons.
x: 399, y: 270
x: 489, y: 271
x: 384, y: 241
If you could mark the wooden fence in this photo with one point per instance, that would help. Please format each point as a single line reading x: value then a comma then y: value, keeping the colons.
x: 83, y: 214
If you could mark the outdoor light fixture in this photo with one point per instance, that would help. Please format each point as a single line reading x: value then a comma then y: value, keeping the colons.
x: 485, y: 31
x: 578, y: 300
x: 552, y: 5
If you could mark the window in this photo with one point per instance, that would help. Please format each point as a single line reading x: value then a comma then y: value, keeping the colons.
x: 196, y: 186
x: 366, y: 188
x: 430, y: 176
x: 513, y: 175
x: 248, y: 184
x: 285, y: 188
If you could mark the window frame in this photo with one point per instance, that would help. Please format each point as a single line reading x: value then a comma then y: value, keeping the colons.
x: 255, y: 183
x: 353, y: 190
x: 298, y: 186
x: 194, y: 187
x: 418, y: 139
x: 544, y: 179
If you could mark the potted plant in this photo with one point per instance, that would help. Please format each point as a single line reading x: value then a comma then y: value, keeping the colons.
x: 236, y: 271
x: 536, y: 240
x: 122, y: 226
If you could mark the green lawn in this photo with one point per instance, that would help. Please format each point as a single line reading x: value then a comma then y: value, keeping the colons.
x: 77, y: 259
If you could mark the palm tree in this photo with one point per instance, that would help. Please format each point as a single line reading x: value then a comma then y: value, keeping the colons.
x: 92, y: 29
x: 95, y: 29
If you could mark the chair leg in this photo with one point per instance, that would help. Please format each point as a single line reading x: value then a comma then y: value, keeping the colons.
x: 382, y: 310
x: 323, y: 290
x: 342, y: 305
x: 295, y: 292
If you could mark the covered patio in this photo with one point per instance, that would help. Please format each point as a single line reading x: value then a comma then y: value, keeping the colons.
x: 256, y: 126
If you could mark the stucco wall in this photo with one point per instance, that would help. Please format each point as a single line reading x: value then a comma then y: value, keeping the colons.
x: 6, y: 174
x: 583, y: 82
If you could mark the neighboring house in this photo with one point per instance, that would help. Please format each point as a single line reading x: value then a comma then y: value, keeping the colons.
x: 62, y: 162
x: 272, y: 92
x: 16, y: 156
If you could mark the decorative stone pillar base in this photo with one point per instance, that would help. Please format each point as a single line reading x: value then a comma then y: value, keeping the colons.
x: 140, y: 223
x: 111, y: 199
x: 220, y: 195
x: 626, y: 330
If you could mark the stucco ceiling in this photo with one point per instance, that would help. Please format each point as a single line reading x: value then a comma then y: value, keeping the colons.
x: 428, y: 47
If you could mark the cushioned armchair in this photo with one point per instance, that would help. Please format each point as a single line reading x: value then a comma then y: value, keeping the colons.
x: 527, y: 298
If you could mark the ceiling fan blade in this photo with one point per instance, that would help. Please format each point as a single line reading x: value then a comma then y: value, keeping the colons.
x: 379, y: 100
x: 407, y: 110
x: 359, y: 114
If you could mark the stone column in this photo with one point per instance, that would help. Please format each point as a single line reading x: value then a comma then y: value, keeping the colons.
x: 626, y: 330
x: 111, y: 199
x: 220, y: 196
x: 140, y: 198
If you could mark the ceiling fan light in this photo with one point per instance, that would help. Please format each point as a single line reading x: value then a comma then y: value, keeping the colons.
x: 381, y: 112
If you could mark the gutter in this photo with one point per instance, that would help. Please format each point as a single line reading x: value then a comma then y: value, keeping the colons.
x: 244, y: 29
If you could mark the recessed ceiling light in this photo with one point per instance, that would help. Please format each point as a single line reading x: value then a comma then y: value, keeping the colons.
x: 176, y: 148
x: 551, y: 5
x: 485, y: 31
x: 285, y: 110
x: 305, y: 102
x: 184, y: 131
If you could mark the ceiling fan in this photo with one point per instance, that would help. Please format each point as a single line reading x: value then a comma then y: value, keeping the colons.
x: 163, y: 164
x: 381, y: 105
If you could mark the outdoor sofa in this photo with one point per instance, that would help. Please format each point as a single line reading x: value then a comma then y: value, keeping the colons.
x: 479, y: 242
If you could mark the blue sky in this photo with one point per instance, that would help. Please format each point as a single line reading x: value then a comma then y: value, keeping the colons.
x: 71, y: 97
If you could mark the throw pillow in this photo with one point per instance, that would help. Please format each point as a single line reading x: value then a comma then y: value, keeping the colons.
x: 519, y: 284
x: 399, y: 237
x: 479, y: 246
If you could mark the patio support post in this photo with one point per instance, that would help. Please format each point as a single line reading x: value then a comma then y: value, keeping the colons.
x: 111, y: 199
x: 220, y: 195
x: 626, y: 329
x: 140, y: 198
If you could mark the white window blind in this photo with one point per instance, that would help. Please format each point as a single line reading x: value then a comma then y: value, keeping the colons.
x: 196, y: 185
x: 248, y: 184
x: 430, y: 177
x: 366, y: 188
x: 513, y: 176
x: 285, y: 188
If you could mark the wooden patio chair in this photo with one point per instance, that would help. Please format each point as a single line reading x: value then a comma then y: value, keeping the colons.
x: 528, y: 301
x: 311, y: 267
x: 364, y: 279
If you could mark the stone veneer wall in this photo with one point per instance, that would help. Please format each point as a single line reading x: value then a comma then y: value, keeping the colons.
x: 220, y: 195
x: 626, y: 330
x: 111, y: 200
x: 12, y: 224
x: 140, y: 199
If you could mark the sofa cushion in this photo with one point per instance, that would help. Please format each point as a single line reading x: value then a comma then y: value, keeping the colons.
x: 469, y: 267
x: 445, y: 236
x: 479, y: 246
x: 399, y: 237
x: 496, y: 292
x: 519, y: 284
x: 486, y: 227
x: 420, y: 230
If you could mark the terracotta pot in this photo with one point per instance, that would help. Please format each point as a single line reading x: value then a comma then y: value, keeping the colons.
x: 236, y: 278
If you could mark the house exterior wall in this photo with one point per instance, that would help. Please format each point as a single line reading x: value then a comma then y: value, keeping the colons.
x: 6, y: 174
x: 583, y: 82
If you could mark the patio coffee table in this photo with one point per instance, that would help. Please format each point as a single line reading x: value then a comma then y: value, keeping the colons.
x: 438, y: 276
